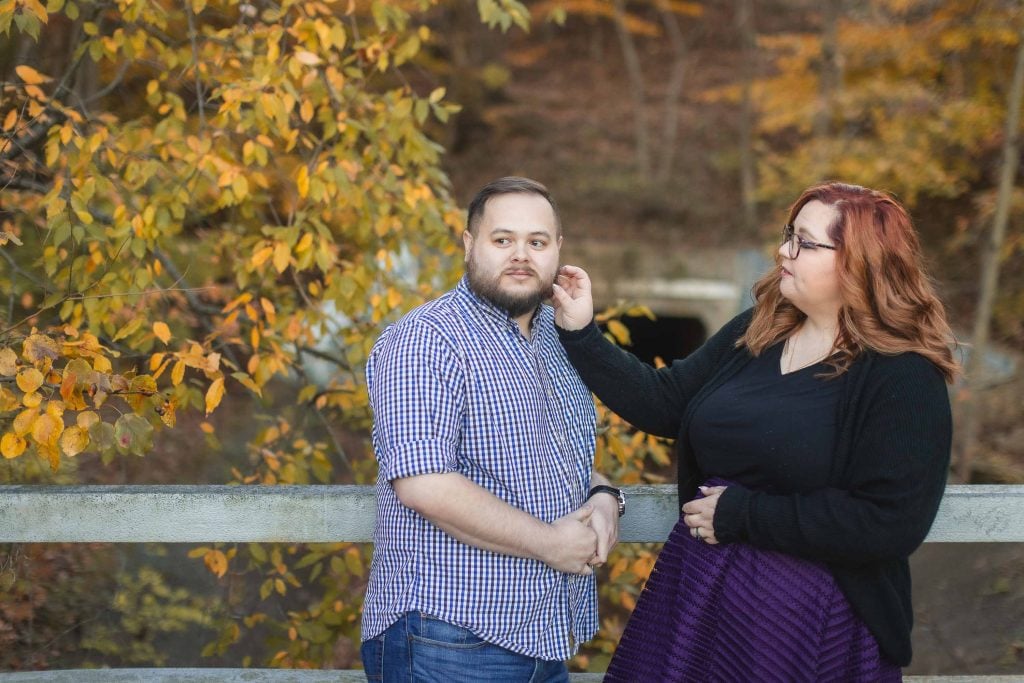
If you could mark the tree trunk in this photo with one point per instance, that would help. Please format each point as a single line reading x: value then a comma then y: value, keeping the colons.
x: 990, y: 272
x: 829, y: 84
x: 748, y: 188
x: 670, y: 125
x: 637, y: 89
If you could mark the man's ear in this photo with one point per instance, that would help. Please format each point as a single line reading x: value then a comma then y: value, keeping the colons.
x: 467, y: 243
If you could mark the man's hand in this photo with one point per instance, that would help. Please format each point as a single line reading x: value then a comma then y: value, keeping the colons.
x: 574, y: 304
x: 605, y: 522
x: 572, y: 543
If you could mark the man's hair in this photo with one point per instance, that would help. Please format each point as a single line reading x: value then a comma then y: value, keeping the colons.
x: 507, y: 185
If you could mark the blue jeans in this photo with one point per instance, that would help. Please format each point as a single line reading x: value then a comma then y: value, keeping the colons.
x: 421, y: 649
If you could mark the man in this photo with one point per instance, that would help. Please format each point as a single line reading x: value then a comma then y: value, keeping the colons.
x: 488, y: 523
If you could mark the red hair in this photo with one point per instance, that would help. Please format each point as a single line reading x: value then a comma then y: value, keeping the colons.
x: 888, y: 303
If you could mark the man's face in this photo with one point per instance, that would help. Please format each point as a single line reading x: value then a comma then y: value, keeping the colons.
x: 513, y: 259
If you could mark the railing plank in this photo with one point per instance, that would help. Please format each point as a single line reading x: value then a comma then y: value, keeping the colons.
x: 316, y: 676
x: 200, y: 514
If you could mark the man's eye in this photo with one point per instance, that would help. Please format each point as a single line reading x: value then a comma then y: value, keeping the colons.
x: 501, y: 240
x: 539, y: 244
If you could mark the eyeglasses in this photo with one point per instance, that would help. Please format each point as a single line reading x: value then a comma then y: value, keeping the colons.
x: 796, y: 242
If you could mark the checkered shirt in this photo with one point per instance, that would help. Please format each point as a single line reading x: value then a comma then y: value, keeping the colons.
x: 456, y: 387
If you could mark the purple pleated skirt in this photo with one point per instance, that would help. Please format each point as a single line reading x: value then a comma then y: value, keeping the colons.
x: 735, y: 613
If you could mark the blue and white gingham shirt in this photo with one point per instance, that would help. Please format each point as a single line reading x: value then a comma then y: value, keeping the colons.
x: 456, y: 387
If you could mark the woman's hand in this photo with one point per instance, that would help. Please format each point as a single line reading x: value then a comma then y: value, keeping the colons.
x: 574, y: 304
x: 699, y: 514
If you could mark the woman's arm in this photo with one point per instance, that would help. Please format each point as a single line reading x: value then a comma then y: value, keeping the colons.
x: 651, y: 399
x: 900, y: 461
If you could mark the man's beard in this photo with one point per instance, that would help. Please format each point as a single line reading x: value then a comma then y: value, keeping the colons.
x: 516, y: 304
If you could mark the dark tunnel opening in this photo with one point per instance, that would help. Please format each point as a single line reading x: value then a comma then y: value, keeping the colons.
x: 667, y: 337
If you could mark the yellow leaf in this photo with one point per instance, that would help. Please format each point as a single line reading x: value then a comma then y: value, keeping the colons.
x: 73, y: 441
x: 8, y: 362
x: 55, y: 409
x: 260, y: 257
x: 268, y: 309
x: 12, y: 445
x: 32, y: 399
x: 86, y: 419
x: 38, y: 347
x: 23, y: 422
x: 178, y: 373
x: 162, y: 331
x: 102, y: 364
x: 8, y: 401
x: 214, y: 394
x: 30, y: 75
x: 282, y: 256
x: 10, y: 119
x: 307, y: 58
x: 304, y: 243
x: 167, y: 411
x: 302, y: 181
x: 155, y: 360
x: 46, y: 429
x: 619, y: 331
x: 128, y: 329
x: 139, y: 391
x: 29, y: 380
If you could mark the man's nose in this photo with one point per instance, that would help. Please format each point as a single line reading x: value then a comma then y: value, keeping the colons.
x: 519, y: 252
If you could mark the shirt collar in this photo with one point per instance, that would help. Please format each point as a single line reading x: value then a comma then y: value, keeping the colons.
x: 492, y: 312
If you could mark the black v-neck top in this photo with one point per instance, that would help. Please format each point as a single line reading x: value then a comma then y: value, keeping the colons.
x: 767, y: 430
x: 886, y: 471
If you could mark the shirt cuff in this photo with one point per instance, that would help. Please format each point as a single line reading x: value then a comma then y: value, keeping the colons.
x: 418, y: 457
x: 731, y: 514
x: 580, y: 336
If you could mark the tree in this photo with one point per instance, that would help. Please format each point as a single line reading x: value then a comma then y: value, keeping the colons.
x: 991, y: 259
x: 191, y: 193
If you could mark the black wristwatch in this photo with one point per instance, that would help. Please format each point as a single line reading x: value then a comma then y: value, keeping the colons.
x: 619, y: 496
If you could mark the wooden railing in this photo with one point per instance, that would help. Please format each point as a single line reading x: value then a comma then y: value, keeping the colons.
x: 321, y: 514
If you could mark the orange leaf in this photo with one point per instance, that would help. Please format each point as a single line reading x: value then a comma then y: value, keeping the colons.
x: 30, y: 75
x: 12, y: 445
x: 216, y: 562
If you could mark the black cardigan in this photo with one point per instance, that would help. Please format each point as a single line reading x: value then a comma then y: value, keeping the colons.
x: 887, y: 476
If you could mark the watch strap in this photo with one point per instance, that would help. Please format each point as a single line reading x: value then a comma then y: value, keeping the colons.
x: 602, y: 488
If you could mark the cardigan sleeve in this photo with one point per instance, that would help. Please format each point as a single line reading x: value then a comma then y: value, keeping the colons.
x: 897, y: 475
x: 651, y: 399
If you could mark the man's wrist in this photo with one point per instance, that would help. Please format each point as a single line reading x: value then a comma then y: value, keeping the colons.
x: 612, y: 491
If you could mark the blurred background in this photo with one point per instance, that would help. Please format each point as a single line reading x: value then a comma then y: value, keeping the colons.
x: 673, y: 135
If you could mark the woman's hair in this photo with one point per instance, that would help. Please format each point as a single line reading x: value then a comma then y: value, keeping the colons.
x: 888, y: 303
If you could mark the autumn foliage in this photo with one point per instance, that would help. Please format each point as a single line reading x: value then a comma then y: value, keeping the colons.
x: 217, y: 204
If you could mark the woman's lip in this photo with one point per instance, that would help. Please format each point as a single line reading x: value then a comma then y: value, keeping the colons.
x: 786, y: 272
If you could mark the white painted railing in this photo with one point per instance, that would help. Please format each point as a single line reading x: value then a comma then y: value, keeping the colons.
x: 318, y: 514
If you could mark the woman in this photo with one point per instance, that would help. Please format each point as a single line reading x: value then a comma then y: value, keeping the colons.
x: 813, y: 440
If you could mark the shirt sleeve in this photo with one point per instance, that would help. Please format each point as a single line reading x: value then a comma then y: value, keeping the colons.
x: 417, y: 392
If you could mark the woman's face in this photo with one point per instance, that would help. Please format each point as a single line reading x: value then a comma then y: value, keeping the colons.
x: 809, y: 281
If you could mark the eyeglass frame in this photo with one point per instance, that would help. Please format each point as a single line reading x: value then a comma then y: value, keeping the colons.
x: 789, y: 233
